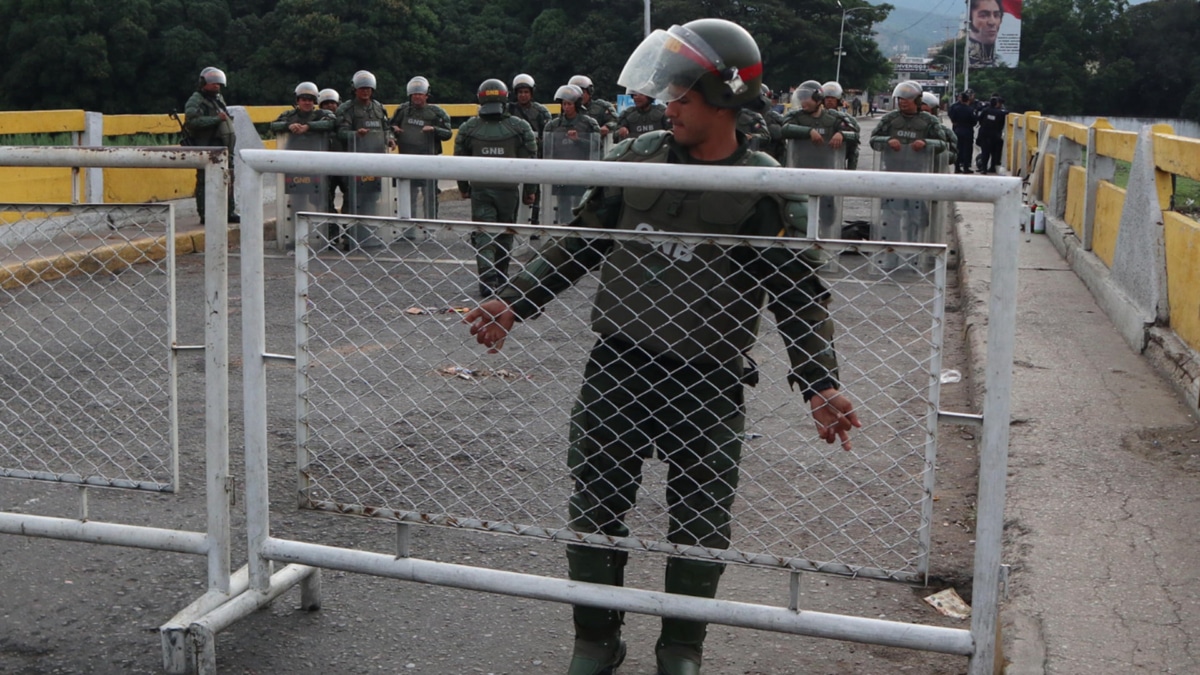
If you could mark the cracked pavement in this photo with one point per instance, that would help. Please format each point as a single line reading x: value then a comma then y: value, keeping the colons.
x: 1103, y: 472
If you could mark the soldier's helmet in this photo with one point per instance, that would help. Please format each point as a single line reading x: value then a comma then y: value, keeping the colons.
x: 832, y: 89
x: 523, y: 80
x: 363, y: 78
x: 212, y: 75
x: 907, y: 90
x: 493, y: 97
x: 307, y: 89
x: 808, y: 90
x: 568, y: 92
x: 930, y: 99
x: 418, y: 85
x: 583, y: 82
x: 328, y: 95
x: 714, y: 56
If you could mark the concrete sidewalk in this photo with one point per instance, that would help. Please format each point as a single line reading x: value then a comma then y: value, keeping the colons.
x: 1104, y: 476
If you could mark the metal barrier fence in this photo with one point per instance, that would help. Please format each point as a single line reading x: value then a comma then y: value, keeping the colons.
x: 90, y: 383
x: 89, y: 356
x: 400, y: 415
x: 357, y: 304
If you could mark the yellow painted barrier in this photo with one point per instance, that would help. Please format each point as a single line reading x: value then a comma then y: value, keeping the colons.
x: 29, y: 185
x: 1048, y: 167
x: 1116, y: 144
x: 1110, y: 199
x: 137, y: 186
x: 1182, y: 239
x: 129, y: 125
x: 1177, y: 155
x: 1076, y: 187
x: 41, y: 122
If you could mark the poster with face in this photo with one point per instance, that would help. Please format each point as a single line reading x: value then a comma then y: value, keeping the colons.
x: 994, y: 33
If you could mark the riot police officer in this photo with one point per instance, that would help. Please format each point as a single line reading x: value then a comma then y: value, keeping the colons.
x: 930, y: 104
x: 571, y: 135
x: 645, y: 115
x: 361, y: 115
x: 907, y: 124
x: 305, y: 117
x: 494, y: 132
x: 665, y: 337
x: 597, y: 108
x: 833, y: 98
x: 538, y: 117
x: 329, y: 100
x: 776, y: 147
x: 526, y: 108
x: 210, y: 125
x: 809, y: 120
x: 419, y: 128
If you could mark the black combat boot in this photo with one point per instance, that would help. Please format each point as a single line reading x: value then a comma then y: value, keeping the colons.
x: 598, y: 645
x: 681, y: 643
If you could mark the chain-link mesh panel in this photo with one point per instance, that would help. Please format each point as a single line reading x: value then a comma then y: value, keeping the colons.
x: 403, y: 416
x: 87, y: 379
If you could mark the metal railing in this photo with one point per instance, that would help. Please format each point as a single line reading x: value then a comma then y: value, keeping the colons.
x: 338, y: 486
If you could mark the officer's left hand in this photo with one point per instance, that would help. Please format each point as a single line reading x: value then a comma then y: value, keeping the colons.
x: 836, y: 141
x: 834, y: 414
x: 530, y: 198
x: 918, y: 145
x: 603, y: 131
x: 491, y: 323
x: 428, y: 128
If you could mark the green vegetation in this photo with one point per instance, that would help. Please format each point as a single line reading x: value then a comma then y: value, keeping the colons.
x: 1102, y: 57
x: 143, y: 56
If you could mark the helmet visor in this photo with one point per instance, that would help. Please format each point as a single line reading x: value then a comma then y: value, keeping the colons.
x: 669, y: 63
x: 805, y: 92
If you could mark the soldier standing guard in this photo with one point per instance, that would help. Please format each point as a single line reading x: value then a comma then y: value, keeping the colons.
x: 420, y: 127
x: 602, y: 111
x: 494, y: 133
x: 210, y: 125
x: 666, y: 375
x: 646, y: 115
x: 538, y: 117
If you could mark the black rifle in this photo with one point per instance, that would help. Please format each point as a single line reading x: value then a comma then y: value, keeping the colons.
x: 185, y: 137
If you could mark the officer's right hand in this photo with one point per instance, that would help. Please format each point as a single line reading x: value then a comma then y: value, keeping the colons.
x: 894, y: 144
x: 223, y: 116
x: 363, y: 132
x: 397, y: 129
x: 465, y: 194
x: 491, y: 323
x: 816, y: 138
x: 834, y: 415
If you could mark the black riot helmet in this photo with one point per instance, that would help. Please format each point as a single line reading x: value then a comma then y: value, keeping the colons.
x: 492, y: 96
x: 716, y: 57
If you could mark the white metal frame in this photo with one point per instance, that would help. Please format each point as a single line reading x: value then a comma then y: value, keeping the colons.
x: 215, y: 541
x: 979, y: 642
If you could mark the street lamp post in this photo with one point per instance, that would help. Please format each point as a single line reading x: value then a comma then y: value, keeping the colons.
x: 841, y: 36
x: 647, y: 17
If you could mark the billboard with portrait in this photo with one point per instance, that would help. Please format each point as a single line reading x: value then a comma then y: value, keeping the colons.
x: 993, y: 33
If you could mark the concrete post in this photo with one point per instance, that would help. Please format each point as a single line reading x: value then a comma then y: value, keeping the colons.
x: 93, y: 137
x: 1098, y: 168
x: 1140, y: 261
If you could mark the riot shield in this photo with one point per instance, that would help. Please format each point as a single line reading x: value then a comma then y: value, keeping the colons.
x: 558, y: 201
x: 802, y: 154
x: 902, y: 220
x: 369, y: 195
x: 299, y: 192
x: 423, y: 193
